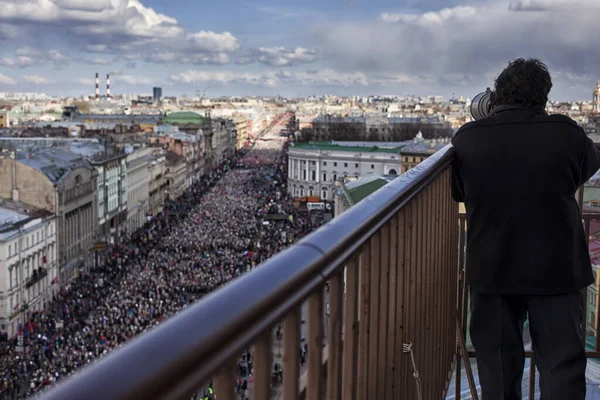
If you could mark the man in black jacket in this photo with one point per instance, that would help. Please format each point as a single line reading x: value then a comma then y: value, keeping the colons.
x: 517, y: 172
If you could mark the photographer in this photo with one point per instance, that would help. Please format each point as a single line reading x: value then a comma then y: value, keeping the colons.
x: 517, y: 171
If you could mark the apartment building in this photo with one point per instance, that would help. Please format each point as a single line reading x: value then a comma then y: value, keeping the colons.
x: 28, y: 263
x: 137, y: 188
x: 63, y: 183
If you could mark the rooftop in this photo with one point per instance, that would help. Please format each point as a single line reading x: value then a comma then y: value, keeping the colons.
x: 355, y: 191
x: 54, y: 162
x: 183, y: 118
x: 15, y: 215
x: 329, y: 146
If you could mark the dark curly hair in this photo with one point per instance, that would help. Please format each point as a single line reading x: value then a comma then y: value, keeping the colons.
x: 524, y: 82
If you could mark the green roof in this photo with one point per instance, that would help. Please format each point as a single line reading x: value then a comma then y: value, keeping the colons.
x: 360, y: 192
x: 590, y: 193
x: 183, y: 118
x: 327, y: 146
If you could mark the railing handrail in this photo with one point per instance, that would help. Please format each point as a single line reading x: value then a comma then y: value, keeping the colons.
x: 173, y: 360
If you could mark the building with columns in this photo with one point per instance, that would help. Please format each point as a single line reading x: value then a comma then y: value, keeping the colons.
x: 28, y: 263
x: 314, y: 167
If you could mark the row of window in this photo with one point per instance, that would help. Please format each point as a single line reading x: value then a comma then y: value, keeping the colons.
x: 36, y: 238
x: 335, y: 164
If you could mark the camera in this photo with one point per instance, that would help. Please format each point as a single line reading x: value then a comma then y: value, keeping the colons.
x: 482, y: 104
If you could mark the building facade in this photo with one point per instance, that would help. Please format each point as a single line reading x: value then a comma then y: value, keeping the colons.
x: 28, y: 263
x: 313, y: 168
x: 64, y: 184
x: 176, y: 175
x: 112, y: 195
x: 419, y: 150
x: 157, y: 184
x: 137, y: 188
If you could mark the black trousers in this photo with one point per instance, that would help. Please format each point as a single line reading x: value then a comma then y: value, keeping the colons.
x: 555, y: 323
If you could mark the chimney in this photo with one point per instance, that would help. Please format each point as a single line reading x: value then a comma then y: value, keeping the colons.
x: 108, y: 86
x: 97, y: 87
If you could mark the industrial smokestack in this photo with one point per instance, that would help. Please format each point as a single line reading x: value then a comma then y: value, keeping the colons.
x: 108, y: 86
x: 97, y: 87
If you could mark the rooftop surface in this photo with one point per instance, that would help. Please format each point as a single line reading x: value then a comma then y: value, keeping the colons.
x: 355, y: 191
x: 328, y: 146
x: 184, y: 117
x: 54, y: 162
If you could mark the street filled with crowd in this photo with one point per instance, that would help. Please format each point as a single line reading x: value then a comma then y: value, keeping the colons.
x: 214, y: 232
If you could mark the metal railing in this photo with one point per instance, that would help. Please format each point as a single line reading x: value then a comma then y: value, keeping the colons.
x: 390, y: 264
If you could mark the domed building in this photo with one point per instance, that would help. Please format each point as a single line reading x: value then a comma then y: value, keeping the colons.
x: 184, y: 118
x: 596, y: 100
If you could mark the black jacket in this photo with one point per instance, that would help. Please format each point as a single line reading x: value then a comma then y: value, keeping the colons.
x: 517, y: 172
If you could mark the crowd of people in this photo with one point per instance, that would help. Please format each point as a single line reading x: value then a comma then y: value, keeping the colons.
x: 212, y: 234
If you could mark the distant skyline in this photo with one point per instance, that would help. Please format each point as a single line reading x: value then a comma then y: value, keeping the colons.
x: 294, y: 49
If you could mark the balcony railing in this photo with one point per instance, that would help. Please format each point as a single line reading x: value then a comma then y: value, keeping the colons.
x: 391, y: 270
x: 36, y: 276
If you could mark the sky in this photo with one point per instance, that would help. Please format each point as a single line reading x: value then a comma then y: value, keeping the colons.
x: 294, y: 48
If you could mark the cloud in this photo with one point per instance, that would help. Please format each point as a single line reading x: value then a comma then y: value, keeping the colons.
x: 29, y: 56
x: 86, y: 81
x: 325, y: 77
x: 553, y: 5
x: 279, y: 56
x: 7, y: 80
x: 98, y: 61
x: 466, y: 45
x: 37, y: 79
x: 211, y: 42
x: 117, y: 26
x: 132, y: 80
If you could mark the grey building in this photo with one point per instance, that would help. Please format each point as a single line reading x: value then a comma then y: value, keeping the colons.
x: 63, y: 183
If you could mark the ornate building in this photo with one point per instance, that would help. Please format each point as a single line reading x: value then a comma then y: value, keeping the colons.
x: 596, y: 100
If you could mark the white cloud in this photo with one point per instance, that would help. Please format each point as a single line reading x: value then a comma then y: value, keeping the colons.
x: 212, y: 42
x: 131, y: 79
x: 7, y: 80
x: 28, y: 57
x: 326, y: 77
x: 282, y: 57
x: 37, y: 79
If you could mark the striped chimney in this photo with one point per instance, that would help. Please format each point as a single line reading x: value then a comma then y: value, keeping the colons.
x: 108, y: 86
x: 97, y: 87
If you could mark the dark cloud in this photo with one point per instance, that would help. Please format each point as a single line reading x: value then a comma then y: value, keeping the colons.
x: 466, y: 45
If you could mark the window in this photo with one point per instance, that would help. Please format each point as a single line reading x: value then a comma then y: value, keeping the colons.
x: 324, y: 194
x: 324, y: 163
x: 10, y: 247
x: 334, y: 177
x: 314, y: 175
x: 324, y: 176
x: 313, y: 162
x: 335, y: 164
x: 345, y: 165
x: 304, y: 174
x: 372, y: 166
x: 356, y: 165
x: 27, y: 242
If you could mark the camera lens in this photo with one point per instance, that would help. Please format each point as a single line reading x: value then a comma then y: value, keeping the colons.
x: 481, y: 105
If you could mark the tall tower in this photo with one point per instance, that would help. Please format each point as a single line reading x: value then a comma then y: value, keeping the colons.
x: 108, y: 86
x: 97, y: 87
x: 596, y: 100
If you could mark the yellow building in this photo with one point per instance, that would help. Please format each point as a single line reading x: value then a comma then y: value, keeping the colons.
x: 4, y: 123
x: 241, y: 128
